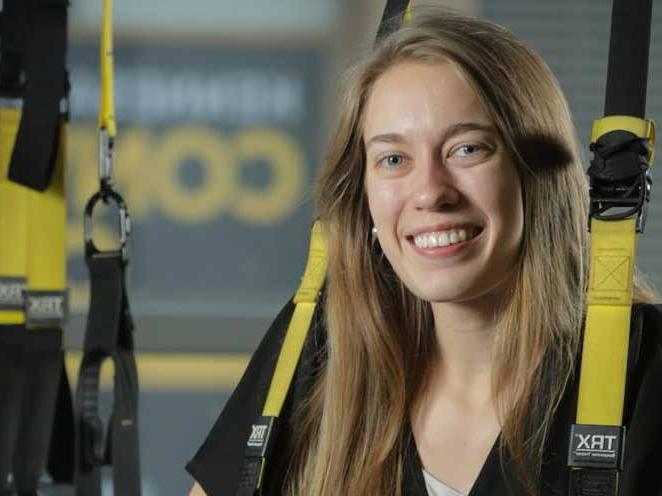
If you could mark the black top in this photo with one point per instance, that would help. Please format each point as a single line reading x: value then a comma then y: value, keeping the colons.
x: 217, y: 463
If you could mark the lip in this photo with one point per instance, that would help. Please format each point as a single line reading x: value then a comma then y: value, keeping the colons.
x: 444, y: 251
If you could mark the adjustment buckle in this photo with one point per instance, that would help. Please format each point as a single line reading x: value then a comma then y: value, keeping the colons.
x: 620, y: 180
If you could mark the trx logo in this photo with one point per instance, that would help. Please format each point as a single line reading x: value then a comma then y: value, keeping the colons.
x: 596, y: 446
x: 261, y: 436
x: 596, y: 442
x: 11, y: 293
x: 258, y: 435
x: 45, y: 308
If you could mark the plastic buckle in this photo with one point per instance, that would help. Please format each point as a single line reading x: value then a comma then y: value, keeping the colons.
x: 596, y: 446
x: 258, y: 448
x: 620, y: 180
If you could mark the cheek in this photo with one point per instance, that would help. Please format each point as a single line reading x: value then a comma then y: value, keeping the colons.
x: 499, y: 195
x: 507, y: 207
x: 384, y: 202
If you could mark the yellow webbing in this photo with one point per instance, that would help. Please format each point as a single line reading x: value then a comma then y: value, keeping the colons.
x: 107, y: 98
x: 406, y: 17
x: 46, y: 261
x: 13, y: 212
x: 607, y: 330
x: 32, y: 223
x: 305, y: 300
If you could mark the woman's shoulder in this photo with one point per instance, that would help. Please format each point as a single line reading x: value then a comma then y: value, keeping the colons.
x: 217, y: 463
x: 643, y: 404
x: 645, y: 337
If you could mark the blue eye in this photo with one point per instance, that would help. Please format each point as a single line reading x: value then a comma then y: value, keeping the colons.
x: 466, y: 150
x: 392, y: 160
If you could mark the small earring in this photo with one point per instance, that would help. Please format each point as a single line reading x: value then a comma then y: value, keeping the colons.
x: 374, y: 231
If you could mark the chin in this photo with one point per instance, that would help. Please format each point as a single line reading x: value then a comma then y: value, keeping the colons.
x: 444, y: 293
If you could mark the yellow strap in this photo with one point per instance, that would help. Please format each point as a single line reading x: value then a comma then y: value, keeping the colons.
x: 406, y: 18
x: 46, y: 264
x: 13, y: 212
x: 606, y: 336
x: 107, y: 103
x: 305, y: 300
x: 10, y: 119
x: 34, y: 222
x: 643, y: 128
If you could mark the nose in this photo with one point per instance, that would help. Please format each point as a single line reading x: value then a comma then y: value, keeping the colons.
x: 434, y: 186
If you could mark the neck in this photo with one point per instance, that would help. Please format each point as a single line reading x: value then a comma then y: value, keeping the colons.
x: 465, y: 340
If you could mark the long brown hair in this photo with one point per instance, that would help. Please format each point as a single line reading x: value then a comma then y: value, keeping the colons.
x: 380, y: 336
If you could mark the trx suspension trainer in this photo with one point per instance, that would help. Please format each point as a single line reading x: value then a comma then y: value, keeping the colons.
x: 33, y: 300
x: 620, y: 183
x: 109, y: 333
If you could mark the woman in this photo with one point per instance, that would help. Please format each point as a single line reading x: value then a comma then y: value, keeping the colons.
x: 455, y: 207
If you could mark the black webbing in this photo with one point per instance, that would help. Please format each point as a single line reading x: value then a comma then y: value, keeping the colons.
x: 12, y: 378
x: 13, y: 31
x: 31, y: 367
x: 392, y: 17
x: 61, y: 454
x: 33, y: 158
x: 627, y: 71
x: 43, y: 361
x: 109, y: 335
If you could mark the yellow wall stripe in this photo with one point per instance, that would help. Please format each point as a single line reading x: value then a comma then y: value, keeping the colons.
x: 176, y: 371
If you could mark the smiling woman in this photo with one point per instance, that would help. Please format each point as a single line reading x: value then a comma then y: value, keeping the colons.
x: 455, y: 209
x: 448, y: 211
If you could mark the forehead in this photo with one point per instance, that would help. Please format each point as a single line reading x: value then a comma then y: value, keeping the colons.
x: 418, y: 97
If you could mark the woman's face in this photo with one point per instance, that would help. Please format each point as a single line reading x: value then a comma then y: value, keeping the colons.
x: 442, y: 190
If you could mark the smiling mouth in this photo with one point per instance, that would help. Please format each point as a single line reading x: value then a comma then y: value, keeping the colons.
x: 440, y: 239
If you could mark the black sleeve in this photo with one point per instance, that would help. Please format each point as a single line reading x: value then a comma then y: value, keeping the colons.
x: 217, y: 463
x: 642, y: 472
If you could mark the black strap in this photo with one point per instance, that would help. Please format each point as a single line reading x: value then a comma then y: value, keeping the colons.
x: 13, y: 31
x: 33, y: 159
x: 12, y: 379
x: 31, y: 363
x: 109, y: 335
x: 627, y: 72
x: 392, y: 17
x: 61, y: 454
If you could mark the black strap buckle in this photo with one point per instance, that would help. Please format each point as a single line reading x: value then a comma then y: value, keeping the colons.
x: 595, y: 458
x: 258, y: 448
x: 620, y: 180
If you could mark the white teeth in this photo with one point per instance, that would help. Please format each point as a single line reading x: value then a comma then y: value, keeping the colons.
x: 442, y: 238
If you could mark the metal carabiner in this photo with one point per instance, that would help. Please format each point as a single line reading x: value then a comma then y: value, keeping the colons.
x: 106, y: 195
x: 106, y: 165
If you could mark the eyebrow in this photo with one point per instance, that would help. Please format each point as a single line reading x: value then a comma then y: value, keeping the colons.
x: 448, y: 133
